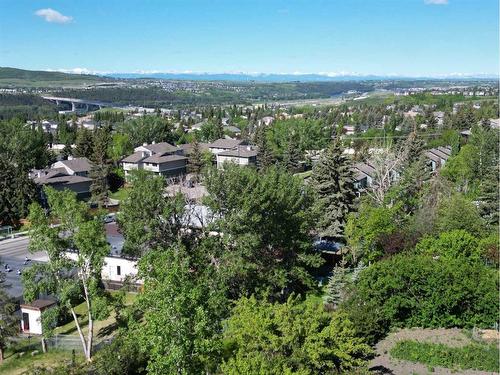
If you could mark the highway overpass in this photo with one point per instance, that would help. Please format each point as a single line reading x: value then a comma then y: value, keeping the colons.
x: 78, y: 103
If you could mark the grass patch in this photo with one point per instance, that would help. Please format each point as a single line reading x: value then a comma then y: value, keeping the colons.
x: 475, y: 356
x: 304, y: 175
x: 13, y: 364
x: 102, y: 328
x: 121, y: 194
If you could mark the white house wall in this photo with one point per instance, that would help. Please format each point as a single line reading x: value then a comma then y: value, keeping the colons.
x: 35, y: 321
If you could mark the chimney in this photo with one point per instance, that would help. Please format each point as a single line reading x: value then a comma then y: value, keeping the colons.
x: 144, y: 144
x: 153, y: 142
x: 249, y: 148
x: 70, y: 157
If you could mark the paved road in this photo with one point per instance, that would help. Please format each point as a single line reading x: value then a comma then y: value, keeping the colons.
x: 13, y: 253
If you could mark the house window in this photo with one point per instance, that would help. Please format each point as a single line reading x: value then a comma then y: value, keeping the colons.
x: 118, y: 270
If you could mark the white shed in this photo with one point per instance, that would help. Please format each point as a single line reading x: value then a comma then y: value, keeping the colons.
x: 31, y: 320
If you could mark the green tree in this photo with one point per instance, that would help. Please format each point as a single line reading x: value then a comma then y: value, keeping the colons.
x: 451, y: 245
x: 366, y: 228
x: 265, y: 157
x: 120, y: 146
x: 147, y: 218
x: 457, y: 212
x: 292, y: 155
x: 9, y: 322
x: 337, y: 285
x: 459, y: 169
x: 489, y: 196
x: 85, y: 236
x: 408, y: 290
x: 265, y: 223
x: 100, y: 168
x: 181, y: 329
x: 332, y: 179
x: 83, y: 143
x: 195, y: 158
x: 291, y: 338
x: 17, y: 191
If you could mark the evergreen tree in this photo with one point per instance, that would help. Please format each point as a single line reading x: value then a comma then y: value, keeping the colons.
x: 265, y: 157
x: 219, y: 128
x: 17, y: 191
x: 83, y: 143
x: 489, y: 197
x: 195, y: 159
x: 100, y: 168
x: 332, y: 180
x: 337, y: 285
x: 292, y: 155
x: 67, y: 151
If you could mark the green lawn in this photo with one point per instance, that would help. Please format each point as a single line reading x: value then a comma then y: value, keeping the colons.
x: 304, y: 175
x: 473, y: 356
x: 120, y: 194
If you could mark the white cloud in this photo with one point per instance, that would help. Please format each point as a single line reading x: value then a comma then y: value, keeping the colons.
x: 436, y: 2
x: 51, y: 15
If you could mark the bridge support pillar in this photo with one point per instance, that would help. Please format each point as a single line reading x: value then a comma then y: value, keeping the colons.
x: 73, y: 107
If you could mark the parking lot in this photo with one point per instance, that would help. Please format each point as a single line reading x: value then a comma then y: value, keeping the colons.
x: 13, y: 253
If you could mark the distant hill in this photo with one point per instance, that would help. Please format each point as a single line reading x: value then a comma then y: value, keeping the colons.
x: 12, y: 77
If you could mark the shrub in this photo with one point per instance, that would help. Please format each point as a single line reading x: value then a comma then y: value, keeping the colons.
x: 475, y: 356
x: 419, y: 291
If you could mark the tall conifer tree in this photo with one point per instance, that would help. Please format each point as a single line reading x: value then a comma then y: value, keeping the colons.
x: 332, y: 179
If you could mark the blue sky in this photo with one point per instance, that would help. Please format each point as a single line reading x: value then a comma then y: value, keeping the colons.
x: 404, y: 37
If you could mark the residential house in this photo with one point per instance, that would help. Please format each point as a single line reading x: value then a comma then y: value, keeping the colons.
x: 241, y: 155
x: 225, y: 144
x: 160, y: 158
x: 71, y: 174
x: 364, y: 174
x: 438, y: 156
x: 74, y: 166
x: 439, y: 116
